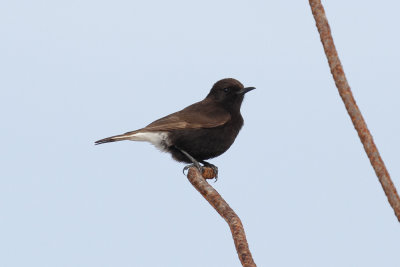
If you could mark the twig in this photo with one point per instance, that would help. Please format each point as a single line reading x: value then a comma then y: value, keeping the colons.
x: 351, y: 106
x: 219, y: 204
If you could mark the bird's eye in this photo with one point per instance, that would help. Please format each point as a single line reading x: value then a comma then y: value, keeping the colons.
x: 226, y: 90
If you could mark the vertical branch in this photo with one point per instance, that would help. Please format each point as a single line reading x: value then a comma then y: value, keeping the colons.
x: 226, y: 212
x: 351, y: 106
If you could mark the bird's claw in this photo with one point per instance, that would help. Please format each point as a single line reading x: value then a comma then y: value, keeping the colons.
x: 201, y: 169
x: 187, y: 167
x: 214, y: 168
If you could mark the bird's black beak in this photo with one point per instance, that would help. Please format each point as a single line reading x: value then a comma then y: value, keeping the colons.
x: 245, y: 90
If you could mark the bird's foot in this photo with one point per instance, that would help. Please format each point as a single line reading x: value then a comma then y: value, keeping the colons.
x: 208, y: 171
x: 213, y: 167
x: 198, y: 166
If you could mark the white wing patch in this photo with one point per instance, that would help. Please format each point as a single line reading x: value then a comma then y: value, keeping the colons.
x: 158, y: 139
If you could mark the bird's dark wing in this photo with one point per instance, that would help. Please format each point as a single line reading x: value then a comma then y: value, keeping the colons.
x: 203, y: 114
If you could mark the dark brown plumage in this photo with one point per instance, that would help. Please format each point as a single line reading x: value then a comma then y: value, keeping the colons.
x: 201, y: 131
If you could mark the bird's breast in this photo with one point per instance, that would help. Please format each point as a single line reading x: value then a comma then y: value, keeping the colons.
x: 205, y: 143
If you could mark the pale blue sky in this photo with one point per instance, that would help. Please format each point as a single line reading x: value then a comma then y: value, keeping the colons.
x: 72, y: 72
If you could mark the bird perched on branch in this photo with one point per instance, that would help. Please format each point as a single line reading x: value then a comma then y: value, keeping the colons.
x: 198, y: 132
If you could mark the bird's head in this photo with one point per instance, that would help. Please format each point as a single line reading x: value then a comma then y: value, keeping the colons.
x: 229, y: 92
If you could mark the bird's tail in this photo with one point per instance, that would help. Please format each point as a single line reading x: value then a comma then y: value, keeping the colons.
x: 114, y: 138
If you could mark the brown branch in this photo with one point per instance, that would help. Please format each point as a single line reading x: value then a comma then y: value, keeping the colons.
x: 226, y: 212
x: 351, y: 106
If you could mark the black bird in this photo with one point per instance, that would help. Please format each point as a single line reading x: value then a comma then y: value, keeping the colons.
x: 200, y: 131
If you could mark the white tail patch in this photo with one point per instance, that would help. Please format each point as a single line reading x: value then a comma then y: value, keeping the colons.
x: 158, y: 139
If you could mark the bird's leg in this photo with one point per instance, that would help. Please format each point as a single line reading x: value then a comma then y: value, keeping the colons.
x: 212, y: 166
x: 193, y: 160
